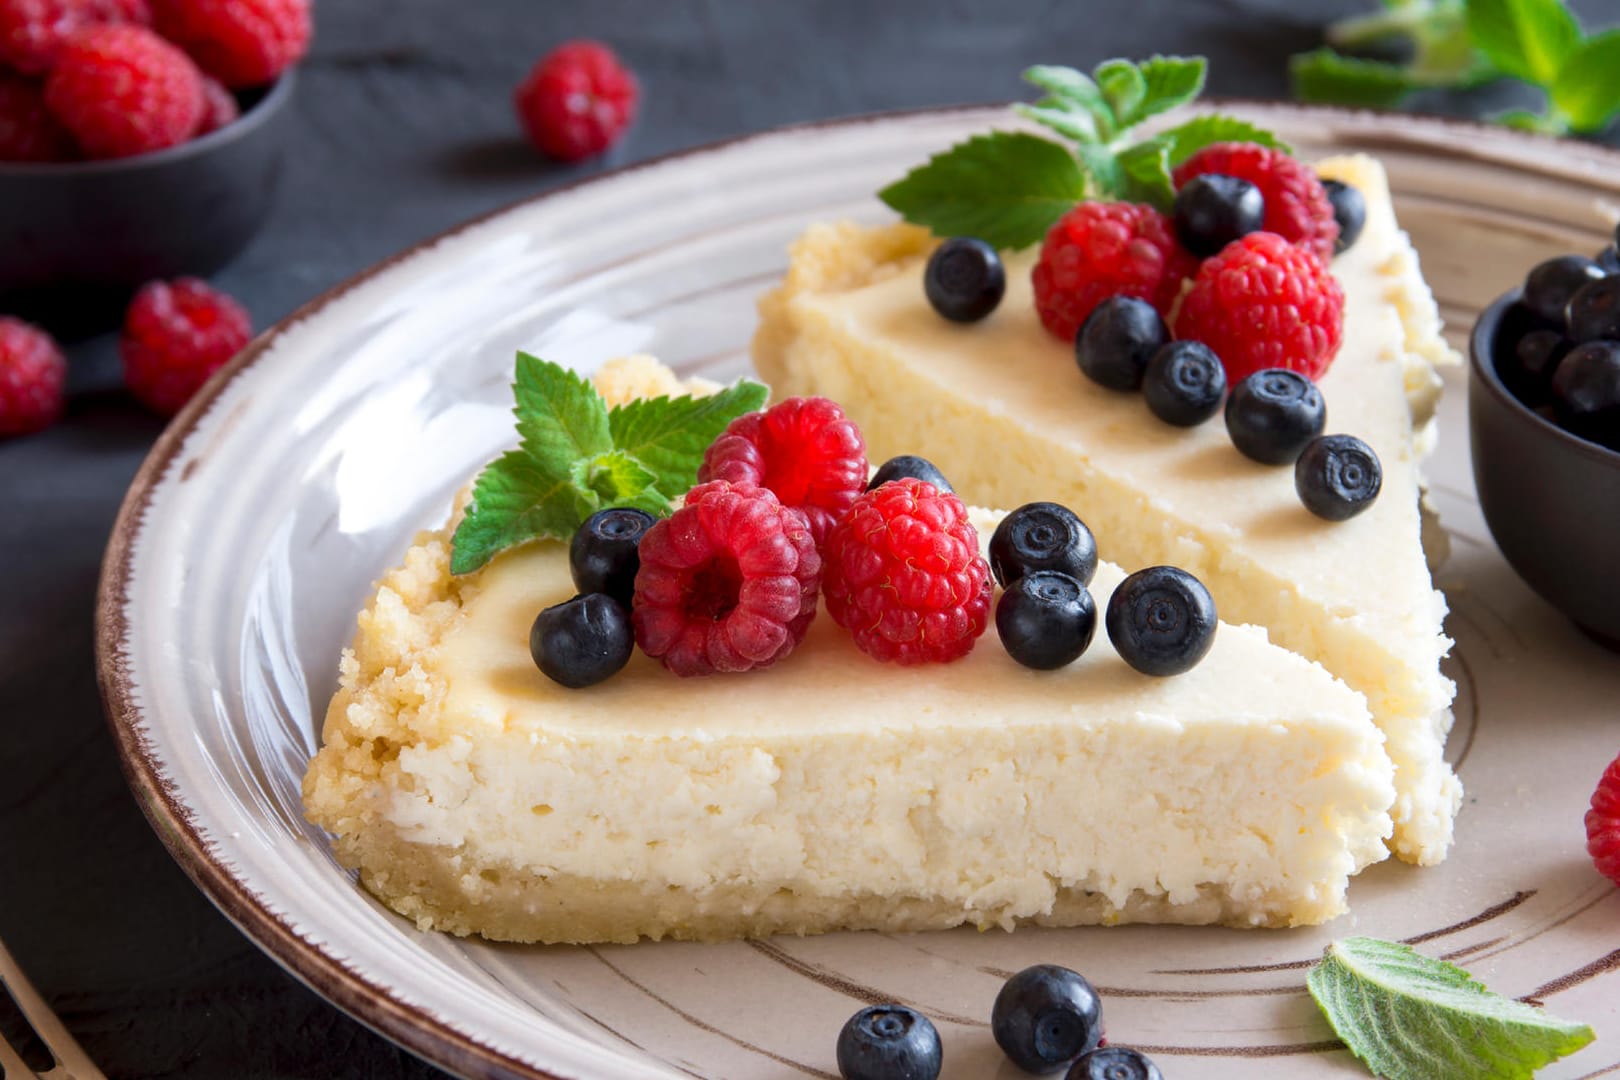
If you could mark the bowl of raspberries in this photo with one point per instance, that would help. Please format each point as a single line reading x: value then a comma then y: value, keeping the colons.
x: 138, y: 138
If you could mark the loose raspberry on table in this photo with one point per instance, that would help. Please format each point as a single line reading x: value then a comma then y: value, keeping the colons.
x: 122, y: 90
x: 904, y: 574
x: 805, y: 450
x: 177, y: 334
x: 219, y: 106
x: 1265, y: 303
x: 28, y: 132
x: 33, y: 32
x: 1098, y: 250
x: 1297, y: 205
x: 32, y: 376
x: 577, y: 101
x: 1603, y: 824
x: 241, y: 43
x: 727, y: 583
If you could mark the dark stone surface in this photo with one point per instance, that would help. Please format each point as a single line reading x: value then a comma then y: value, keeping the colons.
x: 402, y: 127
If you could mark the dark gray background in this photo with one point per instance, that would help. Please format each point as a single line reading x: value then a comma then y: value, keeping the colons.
x: 404, y: 127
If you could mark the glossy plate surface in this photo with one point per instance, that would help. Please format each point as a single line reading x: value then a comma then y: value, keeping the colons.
x: 251, y: 535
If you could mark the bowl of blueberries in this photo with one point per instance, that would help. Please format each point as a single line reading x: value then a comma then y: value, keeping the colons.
x: 1544, y: 419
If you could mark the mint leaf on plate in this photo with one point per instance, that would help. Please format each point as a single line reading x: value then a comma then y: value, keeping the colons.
x: 1527, y: 39
x: 517, y: 498
x: 1587, y: 89
x: 1185, y: 140
x: 1146, y: 166
x: 1171, y: 81
x: 560, y: 415
x: 1324, y: 75
x: 669, y: 435
x: 1410, y: 1017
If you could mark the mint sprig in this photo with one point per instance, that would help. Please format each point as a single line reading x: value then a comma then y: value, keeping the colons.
x: 1410, y: 1017
x: 576, y: 456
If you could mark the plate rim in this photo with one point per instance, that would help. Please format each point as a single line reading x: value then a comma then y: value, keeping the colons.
x: 171, y: 817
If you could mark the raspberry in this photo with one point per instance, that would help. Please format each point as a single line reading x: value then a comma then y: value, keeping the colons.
x: 1265, y: 303
x: 1603, y: 824
x: 32, y: 375
x: 577, y: 101
x: 804, y: 450
x: 239, y: 42
x: 1098, y: 250
x: 33, y: 32
x: 28, y: 132
x: 122, y: 90
x: 904, y: 574
x: 176, y: 334
x: 219, y: 106
x: 1297, y: 205
x: 727, y: 583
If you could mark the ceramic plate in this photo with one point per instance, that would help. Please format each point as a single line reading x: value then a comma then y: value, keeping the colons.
x: 250, y: 536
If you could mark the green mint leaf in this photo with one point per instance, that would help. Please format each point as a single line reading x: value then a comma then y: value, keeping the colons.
x: 1123, y: 87
x: 669, y: 435
x: 612, y: 477
x: 560, y: 415
x: 1185, y: 140
x: 516, y: 498
x: 1322, y: 75
x: 1006, y: 188
x: 1171, y: 81
x: 1081, y: 127
x: 1409, y: 1017
x: 1527, y: 39
x: 1146, y: 166
x: 1102, y: 166
x: 1587, y: 90
x: 1075, y: 92
x: 1525, y: 120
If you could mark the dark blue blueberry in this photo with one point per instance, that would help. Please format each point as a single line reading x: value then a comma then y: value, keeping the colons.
x: 605, y: 552
x: 1042, y: 536
x: 1185, y: 383
x: 888, y: 1042
x: 1161, y: 620
x: 1550, y: 284
x: 1272, y: 414
x: 965, y: 280
x: 1535, y: 358
x: 910, y: 465
x: 1594, y: 311
x: 1046, y: 620
x: 1349, y: 210
x: 1586, y: 392
x: 1337, y: 477
x: 1046, y: 1016
x: 1117, y: 340
x: 1114, y: 1063
x: 1212, y: 210
x: 582, y: 641
x: 1608, y: 260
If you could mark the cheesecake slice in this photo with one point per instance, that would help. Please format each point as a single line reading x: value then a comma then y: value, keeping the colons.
x: 830, y: 791
x: 1001, y: 408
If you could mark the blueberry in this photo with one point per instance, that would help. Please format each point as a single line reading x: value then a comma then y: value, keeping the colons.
x: 1212, y: 210
x: 1046, y: 620
x: 1608, y: 260
x: 604, y: 554
x: 1161, y: 620
x: 909, y: 465
x: 1114, y: 1063
x: 1042, y: 536
x: 1594, y: 311
x: 1535, y: 358
x: 1185, y: 383
x: 965, y: 280
x: 1549, y: 285
x: 1116, y: 341
x: 1337, y: 477
x: 888, y: 1042
x: 1272, y: 414
x: 1586, y: 392
x: 1046, y: 1016
x: 1349, y: 210
x: 581, y: 641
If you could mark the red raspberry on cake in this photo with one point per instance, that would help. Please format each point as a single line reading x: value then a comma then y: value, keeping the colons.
x: 577, y: 101
x: 32, y: 376
x: 177, y: 334
x: 727, y: 583
x: 1265, y: 303
x: 241, y: 43
x: 28, y: 132
x: 805, y: 450
x: 122, y: 90
x: 1098, y: 250
x: 1603, y: 824
x: 1297, y: 206
x: 904, y: 575
x: 33, y: 32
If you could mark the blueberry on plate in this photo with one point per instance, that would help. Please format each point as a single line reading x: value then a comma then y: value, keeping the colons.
x: 918, y: 468
x: 1594, y: 311
x: 1117, y: 340
x: 1042, y: 536
x: 605, y: 552
x: 964, y: 280
x: 582, y: 641
x: 1349, y: 210
x: 1046, y: 1016
x: 1586, y: 392
x: 888, y: 1042
x: 1114, y: 1063
x: 1184, y: 383
x: 1337, y: 477
x: 1046, y: 620
x: 1272, y: 414
x: 1161, y: 620
x: 1212, y: 209
x: 1550, y: 284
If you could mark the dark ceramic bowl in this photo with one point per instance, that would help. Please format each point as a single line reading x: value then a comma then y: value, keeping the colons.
x: 1552, y: 500
x: 109, y: 226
